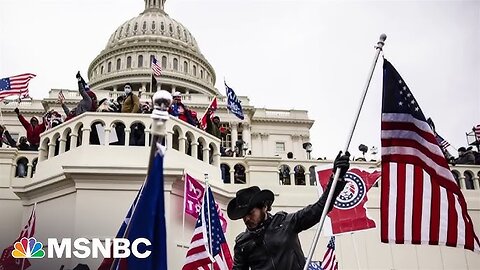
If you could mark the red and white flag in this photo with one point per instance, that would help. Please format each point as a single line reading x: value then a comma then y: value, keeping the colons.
x: 15, y: 85
x: 329, y: 261
x: 349, y: 213
x: 193, y: 200
x: 7, y: 261
x: 421, y: 202
x: 476, y: 130
x: 211, y: 108
x: 208, y: 249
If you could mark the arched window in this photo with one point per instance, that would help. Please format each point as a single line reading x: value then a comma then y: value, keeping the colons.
x: 201, y: 74
x: 135, y: 28
x: 153, y: 25
x: 284, y: 175
x: 299, y: 175
x: 101, y: 70
x: 175, y: 64
x: 144, y: 26
x: 129, y: 62
x: 140, y: 61
x: 468, y: 180
x: 185, y: 67
x: 225, y: 173
x: 164, y: 62
x: 239, y: 174
x: 194, y: 70
x: 119, y: 63
x: 21, y: 167
x: 109, y: 67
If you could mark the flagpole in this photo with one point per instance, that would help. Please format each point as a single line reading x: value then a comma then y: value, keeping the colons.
x: 184, y: 207
x: 378, y: 49
x: 209, y: 218
x: 161, y: 103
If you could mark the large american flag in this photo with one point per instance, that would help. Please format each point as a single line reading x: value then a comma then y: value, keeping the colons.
x: 156, y: 68
x: 199, y: 254
x: 329, y: 261
x: 421, y: 202
x: 15, y: 85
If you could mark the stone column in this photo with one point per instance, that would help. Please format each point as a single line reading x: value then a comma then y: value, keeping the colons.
x: 232, y: 175
x: 307, y: 177
x: 85, y: 136
x: 73, y: 141
x: 29, y: 169
x: 51, y: 149
x: 461, y: 180
x: 234, y: 133
x: 169, y: 139
x: 205, y: 150
x: 127, y: 136
x: 63, y: 143
x: 181, y: 145
x: 194, y: 146
x: 292, y: 177
x: 246, y: 134
x: 265, y: 149
x: 147, y: 137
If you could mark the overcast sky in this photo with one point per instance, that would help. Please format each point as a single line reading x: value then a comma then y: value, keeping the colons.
x: 312, y: 55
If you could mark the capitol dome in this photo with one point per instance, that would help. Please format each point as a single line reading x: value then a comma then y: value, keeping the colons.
x: 130, y: 49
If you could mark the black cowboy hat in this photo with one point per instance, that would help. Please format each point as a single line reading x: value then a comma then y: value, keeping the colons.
x: 246, y: 199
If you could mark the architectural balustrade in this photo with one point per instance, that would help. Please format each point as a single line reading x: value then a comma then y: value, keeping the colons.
x: 116, y: 130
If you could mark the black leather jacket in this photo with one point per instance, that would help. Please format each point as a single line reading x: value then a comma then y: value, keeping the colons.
x: 275, y: 245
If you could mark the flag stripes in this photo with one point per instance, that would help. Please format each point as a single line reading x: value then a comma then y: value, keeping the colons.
x: 421, y: 203
x: 156, y: 68
x: 329, y: 261
x: 15, y: 85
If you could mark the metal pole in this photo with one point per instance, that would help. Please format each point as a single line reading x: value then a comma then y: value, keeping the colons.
x: 161, y: 103
x: 209, y: 219
x: 378, y: 48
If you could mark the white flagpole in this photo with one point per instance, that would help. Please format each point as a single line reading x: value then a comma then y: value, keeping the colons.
x: 209, y: 219
x: 161, y: 103
x: 184, y: 207
x: 378, y: 49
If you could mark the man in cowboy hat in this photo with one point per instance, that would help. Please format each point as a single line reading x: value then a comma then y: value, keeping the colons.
x: 271, y: 242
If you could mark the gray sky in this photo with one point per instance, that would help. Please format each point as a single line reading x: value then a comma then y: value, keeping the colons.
x: 312, y: 55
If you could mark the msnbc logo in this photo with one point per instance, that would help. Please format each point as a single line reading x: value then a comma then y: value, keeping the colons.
x: 28, y: 248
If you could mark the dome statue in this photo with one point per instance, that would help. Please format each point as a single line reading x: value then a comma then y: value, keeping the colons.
x: 131, y: 48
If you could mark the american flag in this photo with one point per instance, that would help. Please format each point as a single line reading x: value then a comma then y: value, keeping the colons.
x: 421, y: 202
x: 212, y: 108
x: 199, y: 254
x: 156, y: 68
x: 442, y: 142
x: 329, y: 261
x: 15, y: 85
x: 6, y: 260
x: 476, y: 130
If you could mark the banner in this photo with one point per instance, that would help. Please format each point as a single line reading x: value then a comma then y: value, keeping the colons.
x: 349, y: 213
x: 193, y: 200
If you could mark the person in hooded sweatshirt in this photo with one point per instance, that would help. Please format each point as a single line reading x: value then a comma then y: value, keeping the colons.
x: 88, y: 102
x: 33, y: 128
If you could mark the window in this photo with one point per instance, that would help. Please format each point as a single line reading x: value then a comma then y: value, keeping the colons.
x: 119, y: 63
x: 164, y: 62
x: 194, y: 70
x: 175, y: 64
x: 201, y: 74
x: 140, y: 61
x: 185, y: 67
x: 101, y: 70
x: 129, y: 62
x: 279, y: 147
x: 109, y: 67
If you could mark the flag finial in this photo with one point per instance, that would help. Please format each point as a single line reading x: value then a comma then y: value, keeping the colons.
x: 154, y: 5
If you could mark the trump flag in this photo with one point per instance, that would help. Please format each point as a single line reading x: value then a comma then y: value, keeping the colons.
x: 349, y: 213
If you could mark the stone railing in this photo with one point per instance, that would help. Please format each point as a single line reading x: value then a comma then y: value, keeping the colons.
x: 290, y: 172
x: 115, y: 129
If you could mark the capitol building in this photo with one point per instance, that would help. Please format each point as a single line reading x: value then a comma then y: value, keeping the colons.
x: 84, y: 189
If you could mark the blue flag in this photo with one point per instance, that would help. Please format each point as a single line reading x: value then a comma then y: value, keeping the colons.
x: 148, y: 221
x: 233, y: 103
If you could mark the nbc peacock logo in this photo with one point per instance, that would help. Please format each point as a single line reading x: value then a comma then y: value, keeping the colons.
x: 28, y: 248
